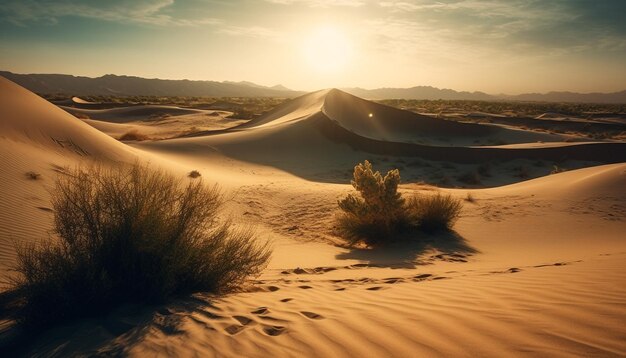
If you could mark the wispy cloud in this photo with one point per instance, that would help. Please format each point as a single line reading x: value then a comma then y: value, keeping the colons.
x: 153, y: 12
x: 251, y: 31
x: 320, y: 3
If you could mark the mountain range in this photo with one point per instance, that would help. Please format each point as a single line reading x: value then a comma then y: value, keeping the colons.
x: 137, y: 86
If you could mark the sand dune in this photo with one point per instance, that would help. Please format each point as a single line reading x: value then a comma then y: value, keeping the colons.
x: 133, y: 113
x: 332, y: 129
x: 534, y: 268
x: 38, y: 137
x: 543, y: 277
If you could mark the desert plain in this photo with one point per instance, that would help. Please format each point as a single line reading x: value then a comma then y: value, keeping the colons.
x: 535, y: 265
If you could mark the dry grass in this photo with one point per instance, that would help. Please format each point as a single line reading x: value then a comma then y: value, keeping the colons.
x: 130, y: 234
x: 133, y: 134
x: 33, y: 175
x: 433, y: 213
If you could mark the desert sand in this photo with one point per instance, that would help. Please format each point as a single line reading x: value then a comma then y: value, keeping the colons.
x: 535, y: 267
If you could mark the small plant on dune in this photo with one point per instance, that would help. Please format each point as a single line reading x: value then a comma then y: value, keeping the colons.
x: 470, y: 198
x: 379, y: 210
x: 557, y: 169
x: 380, y: 214
x: 130, y: 234
x: 133, y: 134
x: 434, y: 213
x: 33, y: 175
x: 194, y: 174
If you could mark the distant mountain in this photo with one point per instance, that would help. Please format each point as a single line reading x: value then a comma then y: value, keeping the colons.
x: 615, y: 97
x: 418, y: 92
x: 137, y: 86
x: 432, y: 93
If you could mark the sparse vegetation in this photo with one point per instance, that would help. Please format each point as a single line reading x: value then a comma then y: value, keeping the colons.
x: 133, y: 134
x: 33, y: 175
x: 194, y: 174
x: 436, y: 212
x: 379, y: 213
x: 130, y: 234
x: 470, y: 198
x: 556, y: 169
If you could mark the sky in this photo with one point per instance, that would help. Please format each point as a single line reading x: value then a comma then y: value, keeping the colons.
x: 494, y: 46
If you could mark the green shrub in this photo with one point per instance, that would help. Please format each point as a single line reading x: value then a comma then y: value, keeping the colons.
x: 130, y: 234
x: 380, y: 214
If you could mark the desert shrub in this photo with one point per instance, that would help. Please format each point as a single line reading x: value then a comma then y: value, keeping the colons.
x: 380, y: 214
x: 470, y: 198
x: 379, y: 210
x: 33, y: 175
x: 130, y: 234
x: 433, y: 213
x: 556, y: 169
x: 194, y: 174
x: 133, y: 134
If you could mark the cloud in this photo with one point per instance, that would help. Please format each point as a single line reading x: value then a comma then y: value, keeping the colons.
x: 545, y: 27
x: 251, y: 31
x: 320, y: 3
x: 153, y: 12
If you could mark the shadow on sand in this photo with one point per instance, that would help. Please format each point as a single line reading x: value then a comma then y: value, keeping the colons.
x: 424, y: 249
x: 112, y: 335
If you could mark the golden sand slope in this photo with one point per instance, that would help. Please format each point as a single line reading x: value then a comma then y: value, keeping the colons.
x: 38, y: 137
x: 526, y: 275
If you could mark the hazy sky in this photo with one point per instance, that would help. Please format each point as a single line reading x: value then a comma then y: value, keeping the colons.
x: 495, y: 46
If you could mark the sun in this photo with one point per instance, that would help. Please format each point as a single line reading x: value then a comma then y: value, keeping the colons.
x: 327, y: 49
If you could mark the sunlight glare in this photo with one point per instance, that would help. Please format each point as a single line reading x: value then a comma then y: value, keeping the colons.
x: 327, y: 49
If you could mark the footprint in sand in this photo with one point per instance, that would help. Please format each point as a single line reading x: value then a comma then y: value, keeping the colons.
x: 305, y: 287
x: 274, y: 330
x: 209, y: 315
x: 243, y: 320
x: 272, y: 288
x: 233, y: 329
x: 260, y: 310
x: 311, y: 315
x: 422, y: 276
x: 393, y: 280
x: 375, y: 288
x: 340, y: 289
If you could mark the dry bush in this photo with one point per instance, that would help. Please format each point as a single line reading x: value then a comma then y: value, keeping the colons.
x: 133, y: 134
x: 556, y: 169
x: 436, y: 212
x: 130, y: 234
x: 194, y: 174
x: 470, y: 198
x: 33, y: 175
x: 380, y: 214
